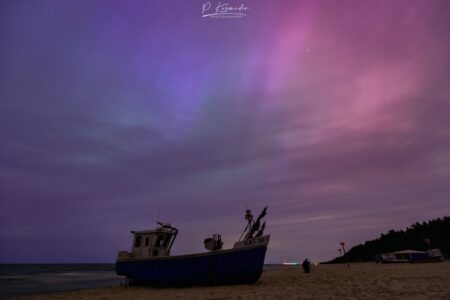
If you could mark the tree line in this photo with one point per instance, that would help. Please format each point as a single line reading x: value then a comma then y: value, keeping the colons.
x: 419, y: 236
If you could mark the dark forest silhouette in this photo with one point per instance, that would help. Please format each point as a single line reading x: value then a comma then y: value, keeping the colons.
x: 437, y: 231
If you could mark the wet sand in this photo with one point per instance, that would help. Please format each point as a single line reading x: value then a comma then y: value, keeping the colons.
x: 362, y: 281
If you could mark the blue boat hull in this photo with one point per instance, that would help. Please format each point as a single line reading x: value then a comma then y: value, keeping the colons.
x: 234, y: 266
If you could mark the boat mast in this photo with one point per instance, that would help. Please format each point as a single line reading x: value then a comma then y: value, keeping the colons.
x: 249, y: 218
x: 252, y: 226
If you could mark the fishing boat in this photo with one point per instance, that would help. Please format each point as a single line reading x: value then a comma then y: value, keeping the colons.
x: 149, y: 262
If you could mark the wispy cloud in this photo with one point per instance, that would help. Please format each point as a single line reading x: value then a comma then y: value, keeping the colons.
x: 334, y: 114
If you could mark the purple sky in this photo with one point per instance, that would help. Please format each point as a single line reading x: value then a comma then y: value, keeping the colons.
x: 336, y: 114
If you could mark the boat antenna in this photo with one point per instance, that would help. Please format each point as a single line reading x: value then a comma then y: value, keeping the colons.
x: 159, y: 210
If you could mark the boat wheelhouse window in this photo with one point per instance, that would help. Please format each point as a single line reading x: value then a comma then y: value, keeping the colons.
x: 159, y: 240
x: 147, y: 240
x: 166, y: 241
x: 138, y: 241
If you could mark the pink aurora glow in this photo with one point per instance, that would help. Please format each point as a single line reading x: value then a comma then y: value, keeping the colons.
x: 334, y: 113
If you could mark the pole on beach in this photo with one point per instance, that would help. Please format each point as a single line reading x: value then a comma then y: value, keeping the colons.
x: 345, y: 254
x: 340, y: 255
x: 428, y: 241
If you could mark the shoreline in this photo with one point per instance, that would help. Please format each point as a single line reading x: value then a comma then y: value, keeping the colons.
x: 363, y: 280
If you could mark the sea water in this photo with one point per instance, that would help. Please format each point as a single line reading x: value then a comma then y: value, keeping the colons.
x: 23, y: 279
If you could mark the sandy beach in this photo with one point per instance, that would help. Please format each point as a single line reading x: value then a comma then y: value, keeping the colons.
x: 362, y: 281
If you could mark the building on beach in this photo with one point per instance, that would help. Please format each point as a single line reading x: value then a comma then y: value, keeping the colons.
x: 410, y: 256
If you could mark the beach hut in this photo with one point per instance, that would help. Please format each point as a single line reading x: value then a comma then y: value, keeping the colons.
x: 410, y: 256
x: 436, y: 254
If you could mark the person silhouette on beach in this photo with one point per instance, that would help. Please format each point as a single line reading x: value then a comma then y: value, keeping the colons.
x: 306, y: 266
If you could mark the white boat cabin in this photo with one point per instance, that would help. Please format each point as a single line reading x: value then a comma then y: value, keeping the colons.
x: 153, y: 243
x: 409, y: 256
